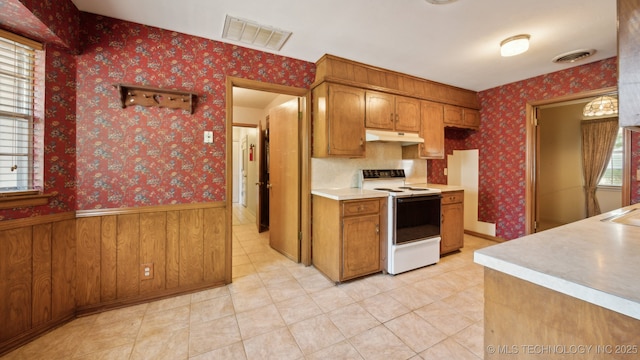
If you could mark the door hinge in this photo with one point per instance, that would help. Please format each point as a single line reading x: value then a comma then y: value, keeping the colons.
x: 535, y: 226
x: 299, y: 235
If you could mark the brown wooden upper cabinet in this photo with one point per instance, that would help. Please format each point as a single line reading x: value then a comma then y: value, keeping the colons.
x: 392, y: 112
x: 457, y: 116
x: 432, y: 130
x: 338, y: 121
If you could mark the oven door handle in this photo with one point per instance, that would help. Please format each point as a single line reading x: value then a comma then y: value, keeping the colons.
x: 418, y: 198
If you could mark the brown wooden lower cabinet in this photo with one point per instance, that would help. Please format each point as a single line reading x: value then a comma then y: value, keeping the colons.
x: 523, y: 320
x: 56, y: 267
x: 346, y: 237
x: 452, y: 228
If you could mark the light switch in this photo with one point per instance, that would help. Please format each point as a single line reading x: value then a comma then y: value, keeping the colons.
x: 637, y: 174
x: 445, y: 171
x: 208, y: 137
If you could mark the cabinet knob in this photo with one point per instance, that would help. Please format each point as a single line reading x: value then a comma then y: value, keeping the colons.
x: 377, y: 228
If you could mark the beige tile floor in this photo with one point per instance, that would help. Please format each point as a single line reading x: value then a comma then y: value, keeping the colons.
x: 277, y: 309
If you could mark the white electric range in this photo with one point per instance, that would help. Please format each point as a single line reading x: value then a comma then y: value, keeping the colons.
x: 413, y: 220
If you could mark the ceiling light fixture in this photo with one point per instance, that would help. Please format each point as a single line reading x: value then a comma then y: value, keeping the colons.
x: 250, y: 32
x: 514, y: 45
x: 601, y: 106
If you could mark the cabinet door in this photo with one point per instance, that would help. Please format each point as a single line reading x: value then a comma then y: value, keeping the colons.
x: 360, y: 245
x: 452, y: 229
x: 345, y: 112
x: 452, y: 115
x: 471, y: 118
x: 432, y: 130
x: 380, y: 111
x: 407, y: 114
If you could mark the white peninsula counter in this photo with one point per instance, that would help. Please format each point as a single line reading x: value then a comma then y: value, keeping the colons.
x: 575, y: 285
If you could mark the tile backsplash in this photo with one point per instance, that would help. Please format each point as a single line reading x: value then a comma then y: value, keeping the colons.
x: 328, y: 173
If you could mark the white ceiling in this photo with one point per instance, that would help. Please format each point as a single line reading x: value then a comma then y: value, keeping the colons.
x: 456, y: 44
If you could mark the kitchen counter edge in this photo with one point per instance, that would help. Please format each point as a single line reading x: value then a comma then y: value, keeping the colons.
x: 348, y: 193
x: 569, y: 259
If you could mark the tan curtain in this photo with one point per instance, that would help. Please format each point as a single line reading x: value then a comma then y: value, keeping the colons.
x: 598, y: 139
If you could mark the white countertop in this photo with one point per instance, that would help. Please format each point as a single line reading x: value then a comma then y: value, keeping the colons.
x: 441, y: 187
x: 592, y: 260
x: 348, y: 193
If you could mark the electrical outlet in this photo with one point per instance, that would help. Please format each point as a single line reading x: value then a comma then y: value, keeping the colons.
x: 208, y: 137
x: 637, y: 174
x: 146, y: 271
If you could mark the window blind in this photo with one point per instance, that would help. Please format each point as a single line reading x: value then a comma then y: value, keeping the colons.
x: 17, y: 62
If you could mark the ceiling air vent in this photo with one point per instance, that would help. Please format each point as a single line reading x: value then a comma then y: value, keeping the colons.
x: 573, y: 56
x: 250, y: 32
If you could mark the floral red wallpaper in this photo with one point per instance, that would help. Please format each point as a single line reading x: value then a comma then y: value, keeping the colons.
x: 51, y: 22
x: 502, y: 135
x: 139, y: 156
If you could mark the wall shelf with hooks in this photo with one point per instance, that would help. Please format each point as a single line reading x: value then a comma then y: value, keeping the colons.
x: 149, y: 96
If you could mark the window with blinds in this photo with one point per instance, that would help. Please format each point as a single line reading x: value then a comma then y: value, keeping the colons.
x: 17, y: 63
x: 613, y: 173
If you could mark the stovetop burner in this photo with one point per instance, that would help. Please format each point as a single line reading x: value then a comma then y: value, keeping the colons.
x: 391, y: 181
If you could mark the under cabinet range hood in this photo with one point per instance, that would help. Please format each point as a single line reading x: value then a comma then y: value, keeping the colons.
x: 393, y: 136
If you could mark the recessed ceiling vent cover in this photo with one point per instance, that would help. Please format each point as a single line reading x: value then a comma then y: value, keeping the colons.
x: 573, y: 56
x: 250, y: 32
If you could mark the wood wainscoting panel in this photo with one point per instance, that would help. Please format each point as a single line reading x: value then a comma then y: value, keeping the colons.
x: 63, y: 269
x: 128, y: 256
x: 191, y: 247
x: 15, y: 282
x: 89, y: 247
x: 173, y: 250
x: 153, y: 249
x: 108, y: 256
x: 186, y: 248
x: 56, y: 267
x: 41, y: 281
x: 214, y: 244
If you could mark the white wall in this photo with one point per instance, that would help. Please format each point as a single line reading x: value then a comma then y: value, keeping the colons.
x: 251, y: 167
x: 464, y: 170
x: 609, y: 198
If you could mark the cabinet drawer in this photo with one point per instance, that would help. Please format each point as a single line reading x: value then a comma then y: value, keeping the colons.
x: 360, y: 207
x: 452, y: 197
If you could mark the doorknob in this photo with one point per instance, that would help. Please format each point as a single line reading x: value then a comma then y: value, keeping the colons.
x: 259, y: 183
x: 269, y: 186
